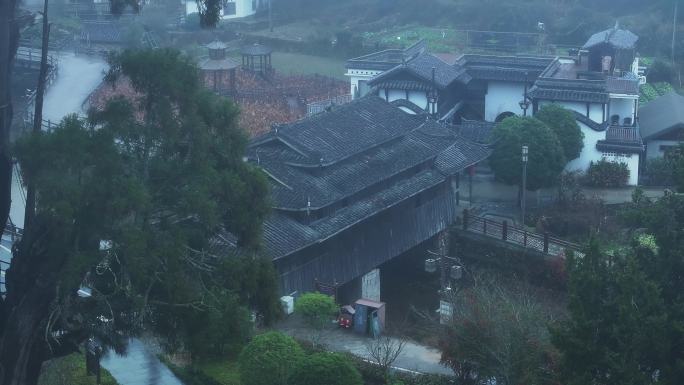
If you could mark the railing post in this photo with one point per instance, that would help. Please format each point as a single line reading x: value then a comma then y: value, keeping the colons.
x: 546, y: 243
x: 525, y: 238
x: 504, y: 231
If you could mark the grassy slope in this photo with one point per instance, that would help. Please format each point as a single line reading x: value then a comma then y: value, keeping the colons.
x: 71, y: 370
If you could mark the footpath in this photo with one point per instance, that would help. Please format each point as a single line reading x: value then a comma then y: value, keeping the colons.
x: 413, y: 358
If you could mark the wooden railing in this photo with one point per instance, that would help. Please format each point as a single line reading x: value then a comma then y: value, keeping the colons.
x: 521, y: 237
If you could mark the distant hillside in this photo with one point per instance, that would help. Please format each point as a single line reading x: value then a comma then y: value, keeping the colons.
x: 567, y: 22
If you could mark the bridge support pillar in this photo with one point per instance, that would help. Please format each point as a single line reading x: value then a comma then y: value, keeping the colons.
x: 370, y: 285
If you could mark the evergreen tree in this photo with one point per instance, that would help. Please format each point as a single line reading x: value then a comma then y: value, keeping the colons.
x: 564, y: 125
x: 128, y: 205
x: 546, y: 160
x: 617, y: 330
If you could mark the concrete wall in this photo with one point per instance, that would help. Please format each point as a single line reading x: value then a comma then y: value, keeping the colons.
x: 243, y: 8
x: 589, y: 152
x: 503, y: 97
x: 653, y: 147
x: 596, y: 112
x: 595, y: 109
x: 357, y: 75
x: 419, y: 98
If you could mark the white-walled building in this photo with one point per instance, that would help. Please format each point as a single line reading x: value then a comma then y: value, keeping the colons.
x: 230, y: 9
x: 598, y: 83
x: 662, y: 124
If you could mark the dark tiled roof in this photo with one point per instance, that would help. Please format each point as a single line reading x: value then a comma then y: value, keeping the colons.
x: 476, y: 131
x: 421, y: 67
x: 504, y: 68
x: 256, y: 50
x: 381, y: 154
x: 593, y: 91
x: 284, y: 235
x: 215, y: 64
x: 628, y: 84
x: 387, y: 59
x: 346, y: 130
x: 618, y: 38
x: 662, y: 115
x: 410, y: 85
x: 217, y: 45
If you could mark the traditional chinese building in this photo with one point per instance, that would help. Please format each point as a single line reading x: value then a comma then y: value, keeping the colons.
x: 356, y: 186
x: 599, y: 83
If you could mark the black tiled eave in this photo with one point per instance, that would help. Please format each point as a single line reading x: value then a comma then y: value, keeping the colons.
x: 284, y: 235
x: 568, y: 95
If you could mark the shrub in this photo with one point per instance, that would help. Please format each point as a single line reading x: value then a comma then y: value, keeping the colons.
x: 546, y: 158
x: 607, y: 174
x: 269, y: 359
x: 316, y: 308
x: 660, y: 71
x: 563, y: 123
x: 325, y: 369
x: 658, y: 172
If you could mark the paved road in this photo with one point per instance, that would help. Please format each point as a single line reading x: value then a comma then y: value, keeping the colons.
x: 414, y: 357
x: 78, y: 76
x: 140, y: 366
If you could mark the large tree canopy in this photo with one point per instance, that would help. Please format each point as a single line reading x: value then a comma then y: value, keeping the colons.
x: 563, y: 123
x: 129, y: 204
x: 546, y: 159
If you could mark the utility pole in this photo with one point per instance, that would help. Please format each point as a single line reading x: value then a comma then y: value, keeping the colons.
x: 270, y: 15
x: 674, y: 29
x: 524, y: 183
x: 29, y: 213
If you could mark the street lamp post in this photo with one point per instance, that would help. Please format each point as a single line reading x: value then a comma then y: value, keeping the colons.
x: 525, y: 150
x: 525, y: 102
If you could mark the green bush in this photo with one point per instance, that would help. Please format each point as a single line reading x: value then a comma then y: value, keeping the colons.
x: 326, y: 369
x: 660, y: 71
x: 658, y: 172
x: 316, y: 308
x: 563, y: 123
x: 71, y: 370
x: 269, y: 359
x: 607, y: 174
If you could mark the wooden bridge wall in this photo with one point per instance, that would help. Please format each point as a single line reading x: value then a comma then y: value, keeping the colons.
x: 361, y: 248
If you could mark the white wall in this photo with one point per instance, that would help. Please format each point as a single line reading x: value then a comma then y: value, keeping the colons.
x: 358, y: 74
x: 396, y: 94
x: 653, y: 147
x: 503, y: 97
x: 243, y: 8
x: 595, y: 109
x: 589, y: 152
x: 596, y: 112
x: 419, y: 98
x: 622, y: 107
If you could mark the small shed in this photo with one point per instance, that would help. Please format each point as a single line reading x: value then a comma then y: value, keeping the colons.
x: 257, y: 58
x: 611, y: 50
x: 218, y: 69
x: 369, y: 317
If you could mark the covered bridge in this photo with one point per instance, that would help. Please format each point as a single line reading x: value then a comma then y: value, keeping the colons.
x: 355, y: 187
